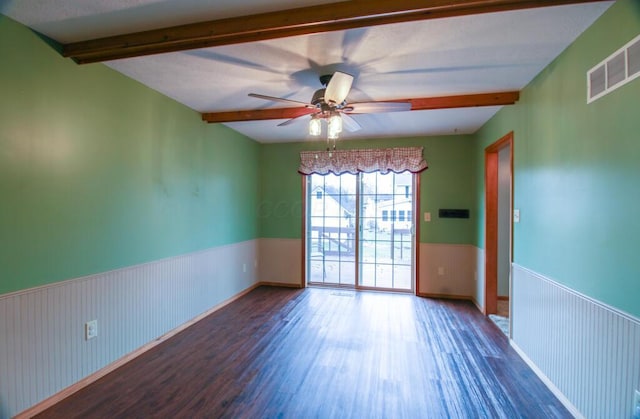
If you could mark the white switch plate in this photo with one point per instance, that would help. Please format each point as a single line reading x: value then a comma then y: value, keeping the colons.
x: 516, y: 215
x: 440, y: 270
x: 427, y: 217
x: 90, y: 329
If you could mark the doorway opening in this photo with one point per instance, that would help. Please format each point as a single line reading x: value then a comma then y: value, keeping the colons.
x: 360, y: 230
x: 499, y: 228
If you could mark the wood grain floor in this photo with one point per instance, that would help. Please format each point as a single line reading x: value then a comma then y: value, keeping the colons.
x: 322, y: 353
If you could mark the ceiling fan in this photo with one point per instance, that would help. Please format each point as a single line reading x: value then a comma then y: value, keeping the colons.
x: 330, y: 104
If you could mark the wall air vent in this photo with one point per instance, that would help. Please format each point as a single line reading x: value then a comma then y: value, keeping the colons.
x: 597, y: 81
x: 616, y: 70
x: 633, y: 59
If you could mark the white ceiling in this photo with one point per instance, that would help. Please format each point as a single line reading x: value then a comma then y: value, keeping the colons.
x: 470, y: 54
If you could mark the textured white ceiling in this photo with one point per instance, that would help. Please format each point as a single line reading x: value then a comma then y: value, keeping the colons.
x: 469, y: 54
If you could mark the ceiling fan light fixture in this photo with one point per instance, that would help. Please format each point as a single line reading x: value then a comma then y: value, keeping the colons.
x: 315, y: 126
x: 334, y: 125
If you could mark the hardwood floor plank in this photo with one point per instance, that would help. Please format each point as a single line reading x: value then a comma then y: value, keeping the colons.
x: 291, y: 353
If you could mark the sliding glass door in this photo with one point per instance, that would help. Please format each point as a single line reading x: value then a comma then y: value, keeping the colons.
x: 331, y: 229
x: 360, y: 230
x: 386, y: 240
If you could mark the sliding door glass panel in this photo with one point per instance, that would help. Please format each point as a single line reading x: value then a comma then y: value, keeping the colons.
x: 387, y: 233
x: 331, y: 238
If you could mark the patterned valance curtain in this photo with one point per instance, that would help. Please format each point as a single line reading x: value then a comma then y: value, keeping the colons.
x: 383, y: 160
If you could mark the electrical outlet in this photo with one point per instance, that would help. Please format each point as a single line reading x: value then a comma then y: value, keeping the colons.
x: 244, y: 267
x: 636, y: 405
x: 90, y: 329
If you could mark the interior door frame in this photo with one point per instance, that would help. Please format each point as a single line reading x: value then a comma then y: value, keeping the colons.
x: 491, y: 220
x: 416, y: 239
x: 303, y: 228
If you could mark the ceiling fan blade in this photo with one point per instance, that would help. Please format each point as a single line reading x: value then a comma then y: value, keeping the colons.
x: 350, y: 124
x: 280, y: 99
x: 338, y: 88
x: 291, y: 121
x: 378, y: 107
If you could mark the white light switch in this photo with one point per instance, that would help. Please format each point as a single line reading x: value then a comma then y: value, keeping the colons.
x: 427, y: 217
x: 516, y: 215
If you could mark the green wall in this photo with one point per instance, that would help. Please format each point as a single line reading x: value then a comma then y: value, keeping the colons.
x: 446, y: 184
x: 577, y: 170
x: 99, y: 172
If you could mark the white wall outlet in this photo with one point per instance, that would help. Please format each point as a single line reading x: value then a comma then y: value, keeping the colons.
x: 440, y: 271
x: 516, y: 215
x: 636, y: 405
x: 90, y: 329
x: 244, y: 267
x: 427, y: 217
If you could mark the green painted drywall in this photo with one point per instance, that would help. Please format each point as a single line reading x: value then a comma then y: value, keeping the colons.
x: 577, y: 170
x: 98, y: 172
x: 446, y: 184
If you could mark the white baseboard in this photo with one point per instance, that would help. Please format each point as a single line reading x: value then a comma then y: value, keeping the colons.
x: 559, y: 395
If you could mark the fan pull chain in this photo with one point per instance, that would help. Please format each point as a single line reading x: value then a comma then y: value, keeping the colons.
x: 330, y: 147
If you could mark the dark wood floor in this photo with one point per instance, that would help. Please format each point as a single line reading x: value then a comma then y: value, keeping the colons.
x: 322, y: 353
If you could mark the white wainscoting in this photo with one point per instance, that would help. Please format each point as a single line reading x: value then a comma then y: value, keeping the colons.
x: 42, y: 345
x: 447, y: 270
x: 281, y: 261
x: 586, y: 351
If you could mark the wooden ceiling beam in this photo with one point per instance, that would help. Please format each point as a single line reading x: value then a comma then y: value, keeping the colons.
x: 417, y: 104
x: 256, y: 115
x: 465, y: 101
x: 284, y: 23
